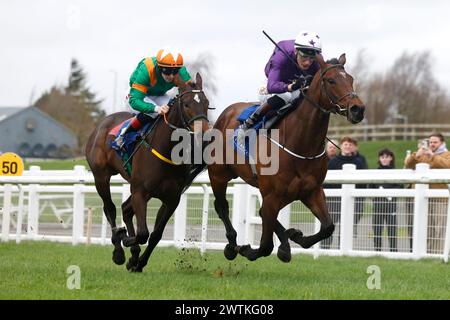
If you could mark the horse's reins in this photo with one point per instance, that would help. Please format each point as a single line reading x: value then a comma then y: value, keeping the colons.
x: 338, y: 110
x: 186, y: 125
x: 352, y: 94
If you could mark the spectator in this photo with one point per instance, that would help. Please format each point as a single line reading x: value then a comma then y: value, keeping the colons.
x: 331, y: 149
x: 347, y: 145
x: 438, y: 157
x: 384, y: 208
x: 359, y: 201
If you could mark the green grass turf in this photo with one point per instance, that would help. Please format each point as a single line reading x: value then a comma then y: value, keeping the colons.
x: 370, y: 150
x: 38, y: 270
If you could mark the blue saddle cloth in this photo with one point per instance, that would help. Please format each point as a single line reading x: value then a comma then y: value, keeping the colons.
x: 252, y: 134
x: 129, y: 139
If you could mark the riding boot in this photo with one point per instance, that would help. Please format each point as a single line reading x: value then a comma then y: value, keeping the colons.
x: 255, y: 116
x: 272, y: 102
x: 133, y: 125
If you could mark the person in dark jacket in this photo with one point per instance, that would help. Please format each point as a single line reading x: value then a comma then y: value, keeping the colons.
x: 359, y: 201
x: 331, y: 149
x: 384, y: 208
x: 347, y: 155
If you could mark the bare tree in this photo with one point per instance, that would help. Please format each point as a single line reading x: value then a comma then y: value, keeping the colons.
x: 204, y: 64
x: 408, y: 88
x: 75, y: 105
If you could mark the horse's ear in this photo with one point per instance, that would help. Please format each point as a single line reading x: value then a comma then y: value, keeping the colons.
x: 342, y: 59
x: 198, y: 80
x: 320, y: 60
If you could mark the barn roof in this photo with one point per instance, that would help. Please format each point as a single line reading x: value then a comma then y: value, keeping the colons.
x: 6, y: 112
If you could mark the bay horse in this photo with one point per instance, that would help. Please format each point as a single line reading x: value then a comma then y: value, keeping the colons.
x: 302, y: 162
x: 151, y: 177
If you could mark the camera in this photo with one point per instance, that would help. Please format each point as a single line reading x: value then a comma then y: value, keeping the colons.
x: 425, y: 144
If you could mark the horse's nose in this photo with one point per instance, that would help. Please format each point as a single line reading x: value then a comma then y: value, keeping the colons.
x: 357, y: 112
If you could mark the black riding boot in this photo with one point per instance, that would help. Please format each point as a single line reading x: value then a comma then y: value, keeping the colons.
x: 254, y: 117
x: 273, y: 102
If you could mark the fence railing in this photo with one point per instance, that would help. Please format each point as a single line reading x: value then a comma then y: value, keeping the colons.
x: 391, y: 132
x: 396, y: 223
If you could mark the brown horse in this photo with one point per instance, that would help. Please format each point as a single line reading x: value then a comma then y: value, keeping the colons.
x: 151, y: 177
x: 302, y: 162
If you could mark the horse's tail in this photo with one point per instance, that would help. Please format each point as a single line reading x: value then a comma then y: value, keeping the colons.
x: 195, y: 170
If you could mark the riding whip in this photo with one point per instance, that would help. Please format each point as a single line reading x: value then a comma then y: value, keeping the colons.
x: 284, y: 52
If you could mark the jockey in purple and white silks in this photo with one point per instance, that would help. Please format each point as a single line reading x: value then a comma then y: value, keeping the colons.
x: 284, y: 78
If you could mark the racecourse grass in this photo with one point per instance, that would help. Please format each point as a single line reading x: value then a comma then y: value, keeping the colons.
x: 38, y: 270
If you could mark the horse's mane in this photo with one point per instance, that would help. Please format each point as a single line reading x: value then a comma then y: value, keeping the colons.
x: 332, y: 61
x: 192, y: 84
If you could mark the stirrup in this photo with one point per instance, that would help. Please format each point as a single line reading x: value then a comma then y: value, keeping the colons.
x: 241, y: 133
x: 246, y: 124
x: 120, y: 142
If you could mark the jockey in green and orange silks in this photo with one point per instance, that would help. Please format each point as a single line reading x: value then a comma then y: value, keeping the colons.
x: 149, y: 83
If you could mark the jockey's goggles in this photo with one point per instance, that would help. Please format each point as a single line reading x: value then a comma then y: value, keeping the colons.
x: 306, y: 53
x: 169, y: 71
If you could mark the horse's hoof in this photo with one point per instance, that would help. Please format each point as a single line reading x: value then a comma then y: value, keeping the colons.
x: 130, y: 264
x: 118, y: 256
x: 136, y: 269
x: 230, y: 252
x: 129, y: 241
x: 284, y: 254
x: 294, y: 234
x: 248, y: 252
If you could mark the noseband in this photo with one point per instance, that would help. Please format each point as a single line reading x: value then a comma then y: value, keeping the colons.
x: 338, y: 109
x: 335, y: 102
x: 186, y: 122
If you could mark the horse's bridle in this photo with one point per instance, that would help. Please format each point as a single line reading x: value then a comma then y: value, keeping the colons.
x: 352, y: 94
x: 186, y: 122
x: 335, y: 102
x: 337, y: 110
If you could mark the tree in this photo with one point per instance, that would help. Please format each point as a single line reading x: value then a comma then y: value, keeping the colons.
x: 75, y: 105
x: 204, y: 64
x: 77, y: 88
x: 407, y: 88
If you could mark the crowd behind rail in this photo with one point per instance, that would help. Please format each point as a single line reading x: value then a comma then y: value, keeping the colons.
x: 431, y: 151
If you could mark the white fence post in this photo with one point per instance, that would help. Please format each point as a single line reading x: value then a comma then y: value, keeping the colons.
x: 316, y: 246
x: 78, y: 208
x: 420, y: 224
x: 347, y: 211
x: 179, y: 222
x: 204, y: 217
x: 126, y: 193
x: 240, y: 211
x: 19, y: 214
x: 447, y: 232
x: 284, y: 218
x: 33, y: 206
x: 6, y: 216
x: 103, y: 229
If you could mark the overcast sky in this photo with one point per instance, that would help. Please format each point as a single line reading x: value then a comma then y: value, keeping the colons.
x: 39, y: 38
